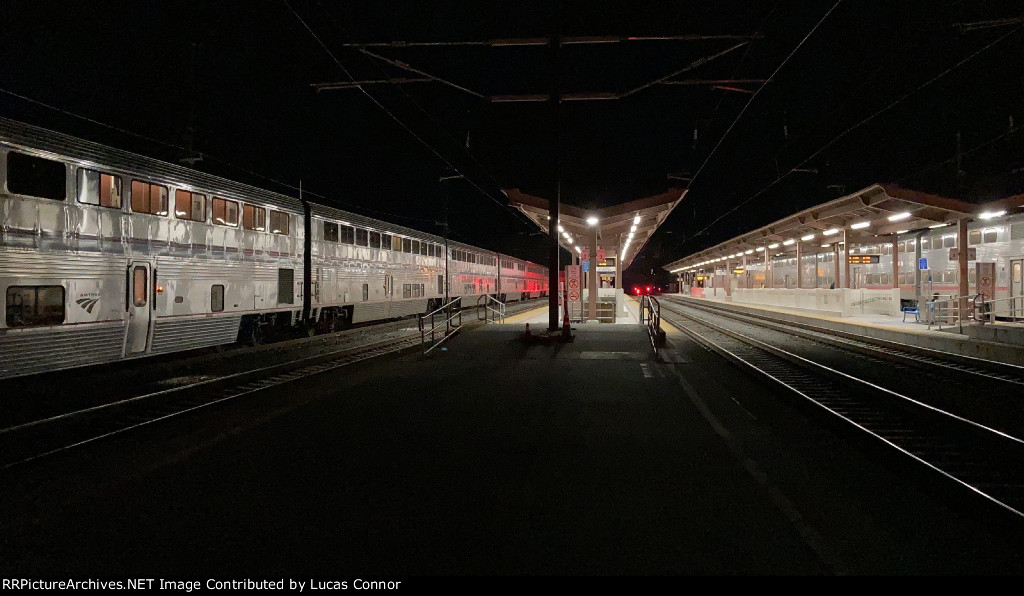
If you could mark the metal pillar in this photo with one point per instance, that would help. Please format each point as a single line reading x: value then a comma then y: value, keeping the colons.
x: 799, y: 267
x: 592, y: 277
x: 618, y: 272
x: 917, y: 267
x: 553, y: 206
x: 895, y: 261
x: 835, y: 265
x: 846, y: 260
x: 962, y: 280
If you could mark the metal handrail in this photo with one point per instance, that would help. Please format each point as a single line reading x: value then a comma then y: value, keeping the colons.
x: 987, y: 312
x: 945, y: 311
x: 453, y: 311
x: 486, y: 304
x: 652, y: 307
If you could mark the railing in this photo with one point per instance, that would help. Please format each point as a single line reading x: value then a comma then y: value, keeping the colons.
x: 450, y: 312
x: 605, y: 311
x: 489, y: 308
x: 650, y: 314
x: 943, y: 311
x: 986, y: 310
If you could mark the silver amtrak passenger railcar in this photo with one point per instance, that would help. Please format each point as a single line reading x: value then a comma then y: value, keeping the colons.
x: 106, y: 255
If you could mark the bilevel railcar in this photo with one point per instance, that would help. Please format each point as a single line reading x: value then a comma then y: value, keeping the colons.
x: 106, y: 255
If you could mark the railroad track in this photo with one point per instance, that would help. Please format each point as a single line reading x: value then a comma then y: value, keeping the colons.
x: 30, y: 441
x: 983, y: 461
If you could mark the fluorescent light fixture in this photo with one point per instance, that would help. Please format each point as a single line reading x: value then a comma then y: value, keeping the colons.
x: 899, y: 216
x: 902, y: 231
x: 748, y: 252
x: 759, y: 249
x: 569, y: 240
x: 807, y: 237
x: 825, y: 245
x: 561, y: 229
x: 991, y: 214
x: 776, y: 245
x: 578, y: 249
x: 788, y: 242
x: 636, y: 220
x: 830, y: 232
x: 592, y: 220
x: 633, y: 228
x: 939, y: 226
x: 860, y: 225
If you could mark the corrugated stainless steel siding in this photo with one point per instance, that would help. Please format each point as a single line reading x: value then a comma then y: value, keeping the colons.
x: 186, y: 333
x: 27, y: 351
x: 31, y: 263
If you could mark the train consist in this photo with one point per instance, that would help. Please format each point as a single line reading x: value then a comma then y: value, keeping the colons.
x: 107, y: 255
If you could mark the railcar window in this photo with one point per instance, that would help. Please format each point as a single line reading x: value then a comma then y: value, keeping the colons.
x: 366, y: 292
x: 330, y: 232
x: 989, y: 235
x: 406, y: 245
x: 35, y: 305
x: 149, y: 198
x: 279, y: 222
x: 217, y: 298
x: 926, y: 243
x: 139, y: 286
x: 97, y: 188
x: 348, y: 235
x: 254, y: 218
x: 385, y: 241
x: 285, y: 285
x: 440, y: 284
x: 415, y: 247
x: 225, y: 212
x: 189, y: 205
x: 374, y: 239
x: 36, y: 177
x: 406, y: 290
x: 423, y: 248
x: 974, y: 237
x: 415, y: 290
x: 949, y: 241
x: 971, y: 275
x: 362, y: 238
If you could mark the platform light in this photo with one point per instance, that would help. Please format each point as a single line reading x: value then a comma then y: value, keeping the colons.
x: 759, y: 249
x: 992, y: 214
x: 592, y: 220
x: 636, y: 220
x: 860, y: 225
x: 830, y: 232
x: 825, y: 245
x: 633, y: 229
x: 561, y: 229
x: 578, y: 249
x: 902, y: 231
x: 748, y: 252
x: 776, y: 245
x: 788, y: 242
x: 631, y: 235
x: 569, y: 240
x: 899, y: 216
x: 807, y: 237
x: 939, y: 226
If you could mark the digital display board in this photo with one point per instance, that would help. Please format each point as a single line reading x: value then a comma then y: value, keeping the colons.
x: 864, y: 259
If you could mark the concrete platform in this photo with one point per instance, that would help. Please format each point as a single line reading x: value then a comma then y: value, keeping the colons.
x: 999, y: 343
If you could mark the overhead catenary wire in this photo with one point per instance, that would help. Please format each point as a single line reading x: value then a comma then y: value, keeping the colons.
x: 391, y: 114
x: 869, y: 118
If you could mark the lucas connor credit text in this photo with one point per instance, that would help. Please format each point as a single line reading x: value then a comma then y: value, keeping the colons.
x: 196, y: 585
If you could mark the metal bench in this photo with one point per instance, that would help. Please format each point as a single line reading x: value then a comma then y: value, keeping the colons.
x: 912, y: 310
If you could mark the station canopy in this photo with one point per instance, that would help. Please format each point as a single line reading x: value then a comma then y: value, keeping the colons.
x: 621, y: 229
x: 879, y: 210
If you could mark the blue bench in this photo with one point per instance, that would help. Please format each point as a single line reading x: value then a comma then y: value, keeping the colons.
x: 912, y: 310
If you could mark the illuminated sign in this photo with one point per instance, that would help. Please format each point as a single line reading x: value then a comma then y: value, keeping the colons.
x: 738, y: 270
x: 863, y: 259
x: 701, y: 277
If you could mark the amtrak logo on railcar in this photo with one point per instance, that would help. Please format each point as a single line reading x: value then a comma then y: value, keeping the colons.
x: 88, y: 301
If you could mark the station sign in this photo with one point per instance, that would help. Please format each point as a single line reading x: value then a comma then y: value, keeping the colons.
x: 986, y: 278
x: 601, y: 269
x: 585, y: 254
x: 572, y: 282
x: 600, y: 255
x: 922, y: 264
x: 954, y: 254
x: 738, y: 271
x: 586, y: 266
x: 864, y: 259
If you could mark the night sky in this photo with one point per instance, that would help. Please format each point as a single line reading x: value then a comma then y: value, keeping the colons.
x: 877, y: 93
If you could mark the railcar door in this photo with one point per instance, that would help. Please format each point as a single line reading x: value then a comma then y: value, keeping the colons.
x: 1017, y: 288
x: 140, y: 307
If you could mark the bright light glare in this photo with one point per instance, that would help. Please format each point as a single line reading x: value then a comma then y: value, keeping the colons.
x: 776, y: 245
x: 899, y: 216
x: 991, y: 214
x: 830, y: 232
x: 592, y: 220
x: 807, y: 237
x: 788, y: 242
x: 859, y: 225
x: 636, y: 220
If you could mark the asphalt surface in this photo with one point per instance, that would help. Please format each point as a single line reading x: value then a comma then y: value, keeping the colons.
x: 493, y: 457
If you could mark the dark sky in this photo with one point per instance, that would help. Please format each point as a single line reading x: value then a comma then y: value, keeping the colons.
x: 858, y: 103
